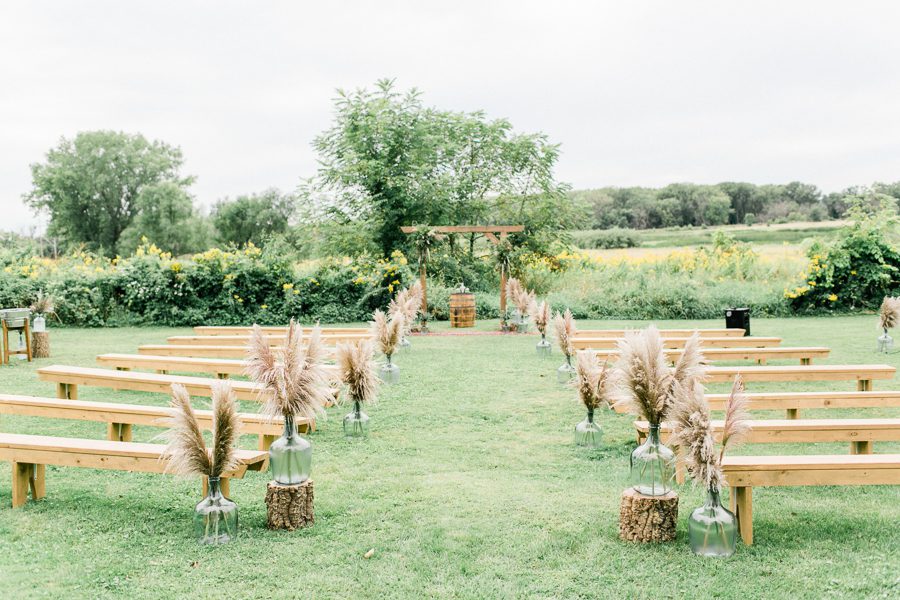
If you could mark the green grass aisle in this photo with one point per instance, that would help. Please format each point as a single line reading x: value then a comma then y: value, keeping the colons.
x: 469, y: 487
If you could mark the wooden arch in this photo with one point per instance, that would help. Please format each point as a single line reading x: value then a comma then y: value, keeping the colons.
x: 494, y: 234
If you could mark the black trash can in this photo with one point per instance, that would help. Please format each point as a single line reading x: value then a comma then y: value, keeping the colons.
x: 738, y: 318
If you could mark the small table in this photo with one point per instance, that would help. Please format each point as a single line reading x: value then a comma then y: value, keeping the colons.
x: 15, y: 316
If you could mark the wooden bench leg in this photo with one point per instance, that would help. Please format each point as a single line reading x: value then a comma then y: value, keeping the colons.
x: 118, y: 432
x: 792, y: 413
x: 805, y: 361
x: 864, y: 385
x: 222, y: 375
x: 123, y: 368
x: 863, y: 447
x: 162, y: 371
x: 679, y: 471
x: 67, y: 391
x: 23, y: 478
x: 266, y: 440
x: 761, y: 361
x: 742, y: 507
x: 28, y: 339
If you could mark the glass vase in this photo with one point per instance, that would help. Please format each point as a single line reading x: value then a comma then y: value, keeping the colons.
x: 566, y: 372
x: 544, y: 347
x: 215, y: 517
x: 290, y: 456
x: 652, y: 466
x: 389, y: 372
x: 39, y: 325
x: 712, y: 528
x: 885, y: 342
x: 587, y: 433
x: 404, y: 344
x: 356, y: 423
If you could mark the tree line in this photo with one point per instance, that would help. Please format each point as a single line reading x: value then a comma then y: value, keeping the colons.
x: 688, y: 204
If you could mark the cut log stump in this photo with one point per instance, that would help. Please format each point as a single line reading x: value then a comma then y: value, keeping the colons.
x: 647, y: 518
x: 40, y: 344
x: 289, y: 506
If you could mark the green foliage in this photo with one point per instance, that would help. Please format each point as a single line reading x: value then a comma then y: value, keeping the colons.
x: 90, y: 186
x: 252, y: 218
x: 165, y: 217
x: 391, y: 161
x: 607, y: 239
x: 859, y: 268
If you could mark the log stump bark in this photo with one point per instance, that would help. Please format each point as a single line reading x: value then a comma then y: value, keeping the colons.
x: 40, y: 344
x: 647, y: 518
x: 289, y: 506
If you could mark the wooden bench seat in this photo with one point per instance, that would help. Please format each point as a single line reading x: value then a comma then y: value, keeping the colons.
x: 272, y: 329
x: 220, y: 367
x: 600, y: 343
x: 743, y: 473
x: 704, y: 333
x: 862, y: 374
x: 29, y: 455
x: 760, y: 355
x: 238, y: 352
x: 244, y: 340
x: 68, y: 379
x: 120, y: 418
x: 859, y: 433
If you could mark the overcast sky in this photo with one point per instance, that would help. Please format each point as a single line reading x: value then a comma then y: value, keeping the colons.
x: 637, y: 93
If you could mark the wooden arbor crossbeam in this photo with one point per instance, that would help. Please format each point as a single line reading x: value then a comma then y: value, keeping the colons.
x: 491, y: 232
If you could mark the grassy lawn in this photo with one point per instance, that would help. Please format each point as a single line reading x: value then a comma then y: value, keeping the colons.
x: 469, y: 487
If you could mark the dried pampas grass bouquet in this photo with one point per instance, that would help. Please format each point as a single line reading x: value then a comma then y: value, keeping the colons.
x: 356, y: 365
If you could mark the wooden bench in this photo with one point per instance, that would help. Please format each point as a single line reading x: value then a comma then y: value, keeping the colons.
x: 862, y: 374
x: 120, y: 418
x: 743, y: 473
x: 29, y: 455
x: 220, y: 367
x: 860, y: 433
x: 704, y: 333
x: 195, y: 351
x: 277, y: 329
x: 68, y: 379
x: 244, y: 340
x: 760, y: 355
x: 600, y: 343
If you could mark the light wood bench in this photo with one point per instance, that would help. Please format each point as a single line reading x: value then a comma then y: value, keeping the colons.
x: 195, y: 351
x: 862, y: 374
x: 29, y: 455
x: 760, y: 355
x: 270, y: 329
x: 120, y: 418
x: 860, y: 433
x: 704, y: 333
x: 68, y: 379
x: 220, y: 367
x: 600, y: 343
x: 244, y: 340
x: 743, y: 473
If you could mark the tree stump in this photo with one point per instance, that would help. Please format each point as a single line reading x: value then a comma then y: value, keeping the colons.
x: 40, y: 344
x: 289, y: 506
x: 647, y: 518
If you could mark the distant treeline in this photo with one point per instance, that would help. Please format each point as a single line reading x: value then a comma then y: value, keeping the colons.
x: 688, y: 204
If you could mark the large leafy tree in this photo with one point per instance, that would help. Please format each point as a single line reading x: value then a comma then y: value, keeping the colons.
x: 166, y: 217
x: 252, y: 218
x: 391, y: 161
x: 89, y: 185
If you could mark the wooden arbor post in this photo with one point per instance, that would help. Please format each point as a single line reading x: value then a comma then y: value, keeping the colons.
x: 491, y: 232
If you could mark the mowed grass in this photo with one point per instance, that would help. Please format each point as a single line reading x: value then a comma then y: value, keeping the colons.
x: 469, y: 487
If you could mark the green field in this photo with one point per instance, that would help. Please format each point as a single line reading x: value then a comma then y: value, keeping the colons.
x: 469, y: 487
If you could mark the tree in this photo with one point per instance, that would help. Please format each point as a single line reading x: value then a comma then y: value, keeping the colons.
x: 90, y: 185
x: 166, y: 217
x: 391, y: 161
x: 252, y: 218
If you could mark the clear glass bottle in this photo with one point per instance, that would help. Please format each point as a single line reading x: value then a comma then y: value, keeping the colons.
x: 885, y: 342
x: 712, y: 528
x: 588, y: 433
x: 566, y: 372
x: 290, y: 456
x: 404, y: 344
x: 652, y: 466
x: 544, y: 347
x: 215, y: 517
x: 356, y: 423
x: 389, y: 372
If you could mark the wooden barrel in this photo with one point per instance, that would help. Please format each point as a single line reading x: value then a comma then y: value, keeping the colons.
x: 462, y: 310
